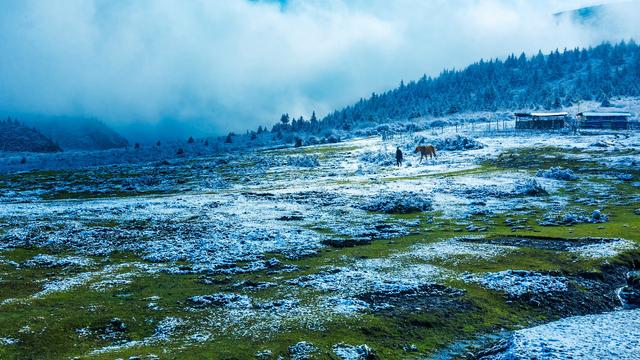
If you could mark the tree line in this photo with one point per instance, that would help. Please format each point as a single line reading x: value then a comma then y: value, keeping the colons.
x: 554, y: 80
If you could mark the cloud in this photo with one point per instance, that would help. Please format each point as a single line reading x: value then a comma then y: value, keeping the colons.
x: 219, y: 66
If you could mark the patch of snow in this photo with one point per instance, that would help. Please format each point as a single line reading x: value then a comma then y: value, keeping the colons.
x: 372, y: 275
x: 230, y: 300
x: 47, y: 261
x: 4, y: 341
x: 401, y: 202
x: 604, y: 249
x: 345, y: 306
x: 350, y: 352
x: 517, y: 283
x: 200, y: 337
x: 302, y: 350
x: 453, y: 251
x: 613, y: 335
x: 166, y: 327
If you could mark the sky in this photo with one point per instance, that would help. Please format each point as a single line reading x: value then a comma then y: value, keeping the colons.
x: 169, y: 67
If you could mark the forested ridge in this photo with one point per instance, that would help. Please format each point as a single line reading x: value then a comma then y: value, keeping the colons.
x: 541, y: 81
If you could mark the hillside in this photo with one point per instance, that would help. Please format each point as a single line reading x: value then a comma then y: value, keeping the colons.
x: 560, y: 78
x: 14, y: 136
x: 74, y: 133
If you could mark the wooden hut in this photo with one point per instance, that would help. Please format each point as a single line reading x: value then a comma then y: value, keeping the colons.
x: 604, y: 120
x: 540, y: 120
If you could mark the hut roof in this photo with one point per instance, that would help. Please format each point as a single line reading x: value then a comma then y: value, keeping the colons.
x: 543, y: 114
x: 605, y: 114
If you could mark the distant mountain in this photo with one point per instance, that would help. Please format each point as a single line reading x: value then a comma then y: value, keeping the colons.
x: 14, y: 136
x: 599, y: 15
x: 75, y: 133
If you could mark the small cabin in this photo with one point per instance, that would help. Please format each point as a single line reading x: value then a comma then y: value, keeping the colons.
x: 604, y: 120
x: 540, y: 120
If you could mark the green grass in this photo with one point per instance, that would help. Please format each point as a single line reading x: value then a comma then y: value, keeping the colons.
x: 53, y: 320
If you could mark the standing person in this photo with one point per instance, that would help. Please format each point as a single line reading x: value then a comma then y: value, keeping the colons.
x: 398, y: 156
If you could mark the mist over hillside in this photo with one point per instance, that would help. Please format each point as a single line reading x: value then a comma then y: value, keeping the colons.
x: 76, y: 133
x: 16, y: 137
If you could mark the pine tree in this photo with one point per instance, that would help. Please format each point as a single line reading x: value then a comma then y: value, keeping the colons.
x: 284, y: 119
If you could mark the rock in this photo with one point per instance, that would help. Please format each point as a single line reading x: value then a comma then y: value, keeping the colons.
x: 636, y: 211
x: 598, y: 217
x: 630, y: 294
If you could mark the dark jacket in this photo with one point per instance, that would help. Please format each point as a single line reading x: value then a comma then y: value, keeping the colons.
x: 399, y: 154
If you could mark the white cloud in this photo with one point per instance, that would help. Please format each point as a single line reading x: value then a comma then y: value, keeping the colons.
x: 228, y: 65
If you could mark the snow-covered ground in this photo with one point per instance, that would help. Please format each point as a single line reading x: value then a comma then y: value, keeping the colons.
x: 242, y: 214
x: 614, y: 335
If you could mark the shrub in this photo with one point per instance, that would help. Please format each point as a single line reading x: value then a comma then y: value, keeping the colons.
x: 529, y: 187
x: 378, y: 157
x: 557, y: 173
x: 401, y: 202
x: 308, y: 161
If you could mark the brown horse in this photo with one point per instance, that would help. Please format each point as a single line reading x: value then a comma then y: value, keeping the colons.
x: 427, y: 150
